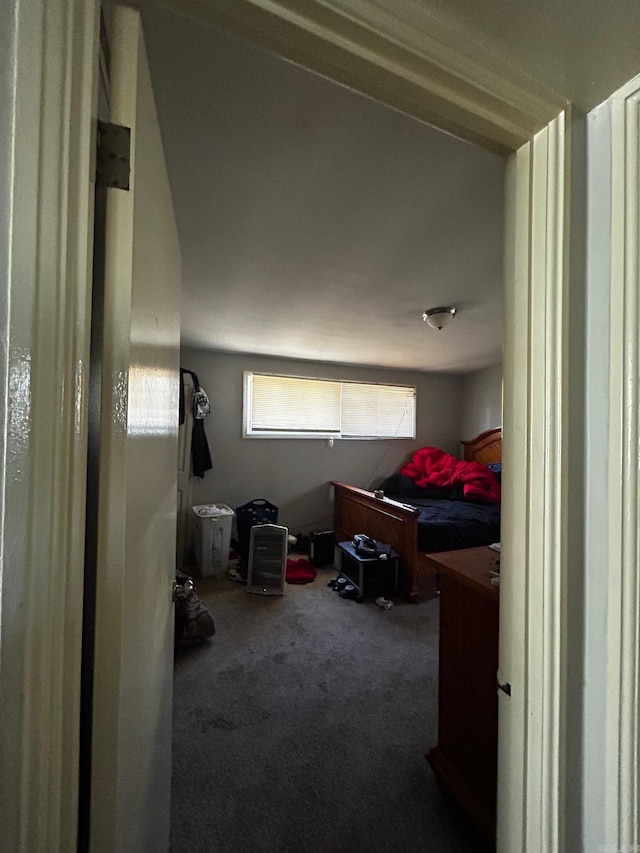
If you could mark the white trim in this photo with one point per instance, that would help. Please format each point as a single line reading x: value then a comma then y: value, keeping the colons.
x: 516, y: 402
x: 596, y: 552
x: 51, y: 215
x: 530, y: 797
x: 401, y: 57
x: 621, y: 803
x: 111, y: 578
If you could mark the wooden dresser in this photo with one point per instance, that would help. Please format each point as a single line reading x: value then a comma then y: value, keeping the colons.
x: 465, y: 759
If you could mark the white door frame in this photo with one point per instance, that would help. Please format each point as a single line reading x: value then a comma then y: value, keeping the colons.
x: 136, y: 529
x: 621, y: 802
x: 409, y: 64
x: 47, y: 144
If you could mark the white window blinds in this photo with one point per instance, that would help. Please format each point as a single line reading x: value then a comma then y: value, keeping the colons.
x: 380, y: 411
x: 290, y: 406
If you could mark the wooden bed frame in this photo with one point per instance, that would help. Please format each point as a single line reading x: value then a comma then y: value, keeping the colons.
x: 359, y: 511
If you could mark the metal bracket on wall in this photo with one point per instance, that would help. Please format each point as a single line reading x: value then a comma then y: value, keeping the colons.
x: 113, y: 164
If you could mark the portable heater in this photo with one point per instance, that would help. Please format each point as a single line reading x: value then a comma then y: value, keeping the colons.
x: 267, y: 559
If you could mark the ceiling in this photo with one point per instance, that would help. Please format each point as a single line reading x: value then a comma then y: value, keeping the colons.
x: 316, y: 223
x: 582, y: 49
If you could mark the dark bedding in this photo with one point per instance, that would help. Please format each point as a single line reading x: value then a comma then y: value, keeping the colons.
x: 446, y: 525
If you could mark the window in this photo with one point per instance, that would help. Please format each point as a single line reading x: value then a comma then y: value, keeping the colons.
x: 297, y: 407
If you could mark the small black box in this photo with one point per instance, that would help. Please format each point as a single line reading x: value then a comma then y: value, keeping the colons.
x: 322, y: 548
x: 371, y: 575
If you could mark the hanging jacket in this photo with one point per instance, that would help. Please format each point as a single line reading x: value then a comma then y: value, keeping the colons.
x: 200, y: 455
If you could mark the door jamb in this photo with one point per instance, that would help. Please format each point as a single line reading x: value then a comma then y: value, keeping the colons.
x: 50, y: 134
x: 621, y: 801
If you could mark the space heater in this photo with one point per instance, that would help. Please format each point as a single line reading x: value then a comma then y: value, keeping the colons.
x: 267, y: 559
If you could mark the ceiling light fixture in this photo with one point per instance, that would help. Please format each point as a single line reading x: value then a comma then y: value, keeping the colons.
x: 438, y: 318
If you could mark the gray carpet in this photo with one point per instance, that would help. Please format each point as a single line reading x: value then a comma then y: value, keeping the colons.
x: 303, y: 726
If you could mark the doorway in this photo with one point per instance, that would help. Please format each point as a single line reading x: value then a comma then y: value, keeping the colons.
x: 225, y: 374
x: 535, y: 422
x: 537, y: 178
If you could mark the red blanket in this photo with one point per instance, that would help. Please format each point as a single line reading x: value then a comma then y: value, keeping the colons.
x: 430, y: 466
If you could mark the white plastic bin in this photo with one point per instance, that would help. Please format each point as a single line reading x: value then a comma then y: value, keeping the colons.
x: 213, y: 538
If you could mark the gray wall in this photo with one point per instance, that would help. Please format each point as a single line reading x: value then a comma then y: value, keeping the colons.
x: 481, y: 401
x: 294, y: 474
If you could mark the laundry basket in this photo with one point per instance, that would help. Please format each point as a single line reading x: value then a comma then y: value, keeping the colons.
x: 213, y: 538
x: 258, y: 511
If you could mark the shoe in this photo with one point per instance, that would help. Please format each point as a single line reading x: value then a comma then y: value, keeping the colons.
x: 235, y: 576
x: 349, y: 591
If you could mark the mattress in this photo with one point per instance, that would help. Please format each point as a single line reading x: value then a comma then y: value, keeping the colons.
x: 446, y: 525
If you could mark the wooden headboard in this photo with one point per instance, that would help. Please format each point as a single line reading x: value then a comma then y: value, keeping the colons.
x: 486, y: 447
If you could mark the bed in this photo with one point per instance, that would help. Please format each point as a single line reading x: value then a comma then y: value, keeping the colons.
x: 401, y: 522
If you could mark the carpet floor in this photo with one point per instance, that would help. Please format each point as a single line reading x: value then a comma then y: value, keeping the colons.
x: 303, y: 725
